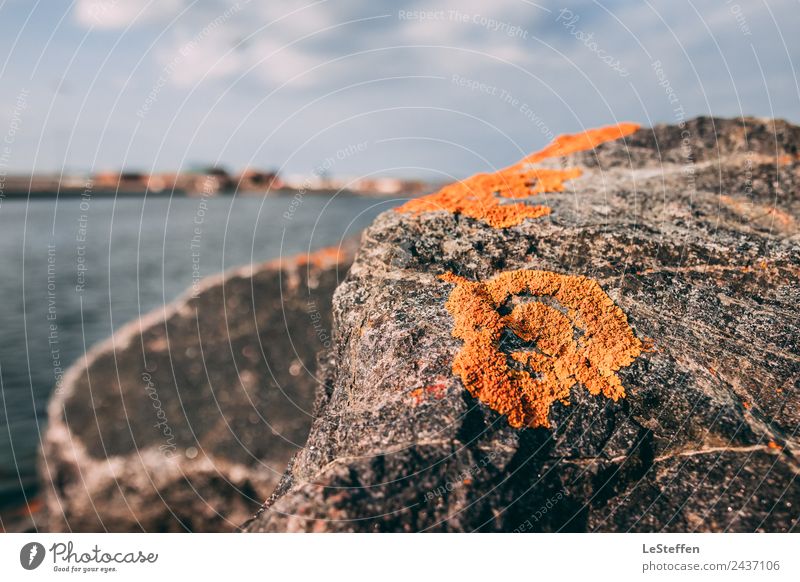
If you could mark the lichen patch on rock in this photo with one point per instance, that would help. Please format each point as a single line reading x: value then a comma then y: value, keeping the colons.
x: 480, y: 195
x: 577, y: 336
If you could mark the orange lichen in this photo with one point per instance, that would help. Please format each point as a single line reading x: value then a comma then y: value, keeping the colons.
x: 773, y: 445
x: 477, y: 196
x: 567, y: 330
x: 785, y: 219
x: 437, y: 390
x: 321, y: 258
x: 567, y: 144
x: 752, y: 212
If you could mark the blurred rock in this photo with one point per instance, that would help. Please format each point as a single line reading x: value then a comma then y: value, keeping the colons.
x: 185, y: 419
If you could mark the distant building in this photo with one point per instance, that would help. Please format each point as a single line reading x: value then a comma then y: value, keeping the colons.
x: 122, y: 182
x: 386, y: 186
x: 205, y: 181
x: 251, y: 180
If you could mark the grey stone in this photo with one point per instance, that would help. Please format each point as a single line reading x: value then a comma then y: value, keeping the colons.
x: 695, y: 240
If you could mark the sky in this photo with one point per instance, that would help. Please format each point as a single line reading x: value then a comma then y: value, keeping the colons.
x: 427, y: 89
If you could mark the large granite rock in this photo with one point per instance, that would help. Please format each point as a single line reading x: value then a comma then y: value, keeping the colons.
x: 456, y: 398
x: 185, y: 419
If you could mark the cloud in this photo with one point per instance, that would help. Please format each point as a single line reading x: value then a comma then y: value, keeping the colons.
x: 115, y: 14
x: 232, y: 55
x: 278, y: 41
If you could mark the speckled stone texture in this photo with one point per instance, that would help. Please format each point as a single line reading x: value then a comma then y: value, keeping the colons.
x: 692, y: 231
x: 185, y: 419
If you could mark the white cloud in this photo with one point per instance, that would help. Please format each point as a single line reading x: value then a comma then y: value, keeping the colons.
x: 279, y: 40
x: 272, y: 42
x: 197, y: 60
x: 114, y: 14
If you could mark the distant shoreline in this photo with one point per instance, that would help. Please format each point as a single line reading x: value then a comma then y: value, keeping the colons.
x: 76, y: 193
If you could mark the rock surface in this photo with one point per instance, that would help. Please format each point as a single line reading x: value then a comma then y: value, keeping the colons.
x: 185, y: 419
x: 692, y: 232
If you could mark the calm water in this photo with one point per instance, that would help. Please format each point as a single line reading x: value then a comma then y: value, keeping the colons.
x: 71, y: 273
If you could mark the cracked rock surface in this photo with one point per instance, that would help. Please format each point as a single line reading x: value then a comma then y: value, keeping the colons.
x: 693, y: 233
x: 186, y: 418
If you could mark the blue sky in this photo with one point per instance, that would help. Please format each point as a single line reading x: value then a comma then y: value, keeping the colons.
x: 424, y: 88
